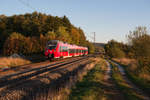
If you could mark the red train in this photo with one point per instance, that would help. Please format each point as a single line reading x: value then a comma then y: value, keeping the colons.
x: 59, y: 49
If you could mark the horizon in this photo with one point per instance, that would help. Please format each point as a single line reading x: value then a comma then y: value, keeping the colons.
x: 108, y: 19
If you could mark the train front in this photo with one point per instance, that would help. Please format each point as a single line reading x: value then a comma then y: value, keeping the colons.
x: 51, y: 49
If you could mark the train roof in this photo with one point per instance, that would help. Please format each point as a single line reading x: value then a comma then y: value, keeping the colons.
x: 72, y: 46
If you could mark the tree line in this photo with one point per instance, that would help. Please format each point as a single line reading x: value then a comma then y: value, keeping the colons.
x: 137, y: 47
x: 29, y: 33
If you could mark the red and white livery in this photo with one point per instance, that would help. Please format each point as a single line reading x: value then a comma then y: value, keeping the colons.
x: 59, y: 49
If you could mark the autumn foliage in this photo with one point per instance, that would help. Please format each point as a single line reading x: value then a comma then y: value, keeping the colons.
x: 28, y: 33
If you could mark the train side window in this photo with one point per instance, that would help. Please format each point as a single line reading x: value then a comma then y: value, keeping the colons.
x: 66, y: 49
x: 63, y: 49
x: 60, y: 49
x: 70, y: 50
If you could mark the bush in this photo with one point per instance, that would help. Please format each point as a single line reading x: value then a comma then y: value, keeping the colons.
x: 117, y: 53
x: 14, y: 44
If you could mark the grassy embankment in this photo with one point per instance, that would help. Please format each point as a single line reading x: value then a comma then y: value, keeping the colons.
x: 126, y: 89
x: 90, y: 87
x: 137, y: 74
x: 12, y: 62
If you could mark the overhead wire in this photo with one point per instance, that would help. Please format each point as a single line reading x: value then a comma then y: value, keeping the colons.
x: 27, y: 4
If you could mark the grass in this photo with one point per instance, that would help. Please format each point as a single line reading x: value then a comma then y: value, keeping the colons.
x: 12, y: 62
x: 139, y: 76
x: 125, y: 88
x: 90, y: 87
x: 141, y: 82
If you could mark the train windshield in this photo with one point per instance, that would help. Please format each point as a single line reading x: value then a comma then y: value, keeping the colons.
x: 52, y: 44
x: 51, y: 47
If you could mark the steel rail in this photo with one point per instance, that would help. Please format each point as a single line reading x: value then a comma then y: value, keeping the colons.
x: 36, y: 71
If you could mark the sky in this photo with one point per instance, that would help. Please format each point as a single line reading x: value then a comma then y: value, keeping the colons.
x: 109, y: 19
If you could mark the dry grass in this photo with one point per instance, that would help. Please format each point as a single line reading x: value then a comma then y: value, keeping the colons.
x: 131, y: 63
x: 140, y: 75
x: 132, y: 66
x: 11, y: 62
x: 125, y: 61
x: 128, y: 90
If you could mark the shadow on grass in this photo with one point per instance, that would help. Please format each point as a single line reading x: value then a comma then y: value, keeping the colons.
x: 91, y: 87
x: 128, y: 91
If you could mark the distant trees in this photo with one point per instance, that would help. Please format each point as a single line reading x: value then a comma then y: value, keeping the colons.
x: 139, y: 40
x: 29, y: 33
x: 138, y: 47
x: 91, y: 47
x: 115, y: 49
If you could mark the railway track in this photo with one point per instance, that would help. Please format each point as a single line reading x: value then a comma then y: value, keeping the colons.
x: 21, y: 77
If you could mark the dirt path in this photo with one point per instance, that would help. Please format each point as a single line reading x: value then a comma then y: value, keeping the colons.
x: 109, y: 85
x: 138, y: 91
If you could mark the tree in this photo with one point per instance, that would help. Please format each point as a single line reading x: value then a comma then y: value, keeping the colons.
x: 116, y: 49
x: 90, y: 46
x: 50, y: 35
x: 66, y: 23
x: 117, y: 53
x: 140, y: 40
x: 63, y: 35
x: 36, y: 28
x: 75, y: 36
x: 14, y: 44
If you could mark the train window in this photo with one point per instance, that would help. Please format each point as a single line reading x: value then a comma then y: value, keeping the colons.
x: 60, y: 49
x: 64, y: 49
x: 71, y: 50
